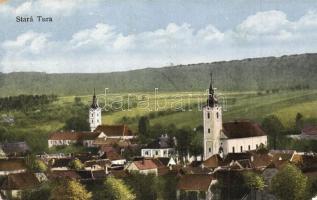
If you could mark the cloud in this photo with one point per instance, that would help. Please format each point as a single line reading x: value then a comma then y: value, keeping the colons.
x: 48, y: 7
x: 102, y: 48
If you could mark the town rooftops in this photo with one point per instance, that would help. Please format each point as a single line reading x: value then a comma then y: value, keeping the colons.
x: 195, y: 182
x: 75, y: 136
x: 114, y: 130
x: 242, y: 129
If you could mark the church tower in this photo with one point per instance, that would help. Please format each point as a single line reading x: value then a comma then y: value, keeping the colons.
x: 212, y: 124
x: 94, y: 113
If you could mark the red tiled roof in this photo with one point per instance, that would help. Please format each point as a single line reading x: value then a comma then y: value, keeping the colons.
x: 112, y: 141
x: 213, y: 162
x: 242, y: 129
x: 12, y: 164
x: 74, y: 136
x: 110, y: 153
x: 20, y: 181
x: 145, y: 164
x: 114, y: 130
x: 195, y: 182
x: 71, y: 174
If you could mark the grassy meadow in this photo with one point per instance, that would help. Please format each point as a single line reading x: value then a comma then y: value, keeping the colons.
x: 180, y: 109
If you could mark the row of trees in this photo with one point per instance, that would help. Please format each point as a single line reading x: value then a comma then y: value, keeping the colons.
x: 136, y: 186
x: 288, y: 184
x: 25, y: 102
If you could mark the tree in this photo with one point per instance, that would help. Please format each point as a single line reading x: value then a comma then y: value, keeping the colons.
x: 299, y: 121
x: 70, y: 190
x: 184, y: 138
x: 76, y: 164
x: 290, y: 184
x: 254, y: 182
x: 273, y: 127
x: 115, y: 189
x: 143, y: 185
x: 78, y: 123
x: 144, y: 124
x: 39, y: 166
x: 35, y: 164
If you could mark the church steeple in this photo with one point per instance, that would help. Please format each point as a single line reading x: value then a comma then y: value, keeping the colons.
x: 212, y: 100
x: 94, y: 104
x: 94, y: 113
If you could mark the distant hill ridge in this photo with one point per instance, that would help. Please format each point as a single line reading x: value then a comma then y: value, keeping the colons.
x: 237, y: 75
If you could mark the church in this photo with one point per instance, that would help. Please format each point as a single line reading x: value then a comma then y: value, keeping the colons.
x: 99, y: 134
x: 230, y: 137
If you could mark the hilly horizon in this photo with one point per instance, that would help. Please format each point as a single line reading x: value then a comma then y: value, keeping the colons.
x: 251, y: 74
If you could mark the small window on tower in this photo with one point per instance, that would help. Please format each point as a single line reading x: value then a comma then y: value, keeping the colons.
x: 241, y: 148
x: 208, y: 115
x: 217, y: 115
x: 232, y: 149
x: 249, y: 147
x: 209, y: 150
x: 209, y: 130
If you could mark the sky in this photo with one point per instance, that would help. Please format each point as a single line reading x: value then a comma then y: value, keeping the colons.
x: 119, y: 35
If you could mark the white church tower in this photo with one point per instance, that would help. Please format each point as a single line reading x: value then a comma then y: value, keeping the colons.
x: 212, y: 124
x: 94, y: 114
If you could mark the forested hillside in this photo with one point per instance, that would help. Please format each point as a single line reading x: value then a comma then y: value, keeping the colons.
x: 287, y: 72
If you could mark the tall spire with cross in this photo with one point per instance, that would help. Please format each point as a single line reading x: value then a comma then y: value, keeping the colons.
x: 94, y: 101
x: 212, y: 100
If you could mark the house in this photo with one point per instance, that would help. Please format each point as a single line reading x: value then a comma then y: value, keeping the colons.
x: 307, y: 133
x: 12, y: 166
x: 95, y: 165
x: 231, y: 137
x: 111, y: 154
x: 14, y: 148
x: 15, y: 184
x: 60, y: 164
x: 162, y: 147
x: 143, y: 166
x: 67, y: 138
x: 195, y: 186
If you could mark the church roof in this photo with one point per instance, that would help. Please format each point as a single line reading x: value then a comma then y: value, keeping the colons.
x: 242, y: 129
x: 74, y: 136
x: 114, y: 130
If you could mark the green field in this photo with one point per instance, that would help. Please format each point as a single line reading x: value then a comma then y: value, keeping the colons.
x: 35, y: 125
x: 247, y: 105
